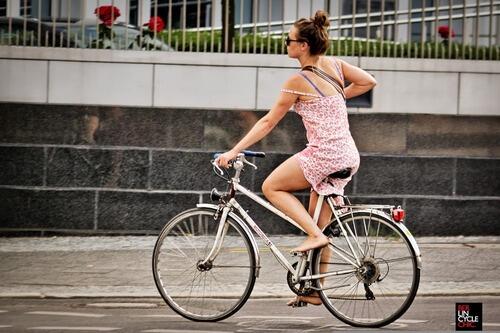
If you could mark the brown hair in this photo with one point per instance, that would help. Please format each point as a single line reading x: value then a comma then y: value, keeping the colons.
x: 314, y: 31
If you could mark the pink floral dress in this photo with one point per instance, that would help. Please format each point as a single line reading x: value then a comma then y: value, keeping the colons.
x: 330, y: 147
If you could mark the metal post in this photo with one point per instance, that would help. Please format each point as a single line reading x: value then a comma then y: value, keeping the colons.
x: 183, y: 25
x: 269, y: 18
x: 169, y: 22
x: 464, y: 30
x: 127, y: 20
x: 241, y: 25
x: 422, y: 27
x: 212, y: 31
x: 82, y: 26
x: 155, y: 14
x: 409, y: 28
x: 112, y: 20
x: 339, y: 27
x: 382, y: 28
x: 139, y: 11
x: 283, y: 29
x: 490, y: 32
x: 436, y: 24
x: 476, y: 34
x: 25, y: 23
x: 450, y: 25
x: 39, y: 28
x: 198, y: 14
x: 396, y: 28
x: 368, y: 14
x: 69, y: 24
x: 255, y: 11
x: 54, y: 26
x: 353, y: 28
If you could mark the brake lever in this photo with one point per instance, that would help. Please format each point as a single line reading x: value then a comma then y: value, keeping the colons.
x: 251, y: 164
x: 221, y: 172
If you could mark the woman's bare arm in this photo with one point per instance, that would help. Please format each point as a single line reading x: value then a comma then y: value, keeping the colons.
x: 262, y: 127
x: 361, y: 81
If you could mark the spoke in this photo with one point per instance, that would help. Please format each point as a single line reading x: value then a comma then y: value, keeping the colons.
x: 228, y: 266
x: 177, y: 248
x: 180, y: 273
x: 189, y: 240
x: 376, y: 239
x: 343, y: 251
x: 398, y: 259
x: 367, y: 233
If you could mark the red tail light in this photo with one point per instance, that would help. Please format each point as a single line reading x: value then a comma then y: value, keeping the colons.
x: 398, y: 214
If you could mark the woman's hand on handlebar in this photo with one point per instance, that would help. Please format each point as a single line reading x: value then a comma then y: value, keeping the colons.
x: 223, y: 160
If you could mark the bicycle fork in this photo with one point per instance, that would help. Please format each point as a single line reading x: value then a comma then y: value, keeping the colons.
x: 219, y: 238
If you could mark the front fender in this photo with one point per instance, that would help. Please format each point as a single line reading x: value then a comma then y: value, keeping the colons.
x: 243, y: 225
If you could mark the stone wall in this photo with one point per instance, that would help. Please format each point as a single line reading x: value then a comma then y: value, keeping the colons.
x: 124, y: 170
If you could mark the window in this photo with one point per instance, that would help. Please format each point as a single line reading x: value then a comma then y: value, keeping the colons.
x: 134, y: 12
x: 375, y: 10
x: 3, y: 8
x: 177, y: 12
x: 25, y: 8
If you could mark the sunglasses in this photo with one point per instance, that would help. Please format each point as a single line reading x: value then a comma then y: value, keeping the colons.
x: 288, y: 40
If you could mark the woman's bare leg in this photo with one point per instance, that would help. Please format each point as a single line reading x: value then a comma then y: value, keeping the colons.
x: 287, y: 178
x: 324, y: 219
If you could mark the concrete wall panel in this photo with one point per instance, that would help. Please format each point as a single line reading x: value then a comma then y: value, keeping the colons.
x: 23, y: 81
x: 205, y: 86
x: 269, y: 84
x: 479, y: 94
x: 415, y: 92
x: 100, y: 83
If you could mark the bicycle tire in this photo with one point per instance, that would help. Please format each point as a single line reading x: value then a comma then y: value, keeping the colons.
x: 340, y: 294
x: 216, y: 292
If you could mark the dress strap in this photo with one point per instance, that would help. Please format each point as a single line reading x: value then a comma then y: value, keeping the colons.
x: 339, y: 70
x: 327, y: 77
x: 312, y: 84
x: 295, y: 92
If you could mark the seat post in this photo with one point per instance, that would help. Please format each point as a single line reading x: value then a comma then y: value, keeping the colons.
x: 317, y: 210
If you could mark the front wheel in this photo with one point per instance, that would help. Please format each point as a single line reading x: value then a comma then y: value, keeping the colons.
x: 372, y: 272
x: 198, y: 290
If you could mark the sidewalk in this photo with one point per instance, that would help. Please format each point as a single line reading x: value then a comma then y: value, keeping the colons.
x: 121, y: 267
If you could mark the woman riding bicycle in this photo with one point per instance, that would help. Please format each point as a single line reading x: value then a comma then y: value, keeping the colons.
x: 318, y: 96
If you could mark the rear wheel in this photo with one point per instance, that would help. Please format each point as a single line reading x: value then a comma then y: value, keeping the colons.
x: 384, y: 285
x: 196, y: 290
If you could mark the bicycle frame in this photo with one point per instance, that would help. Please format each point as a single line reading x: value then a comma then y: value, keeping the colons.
x: 298, y: 273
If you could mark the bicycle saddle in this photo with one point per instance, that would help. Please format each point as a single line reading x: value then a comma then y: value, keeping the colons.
x: 341, y: 174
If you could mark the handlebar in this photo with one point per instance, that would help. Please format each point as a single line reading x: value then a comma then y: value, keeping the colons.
x: 247, y: 153
x: 238, y: 162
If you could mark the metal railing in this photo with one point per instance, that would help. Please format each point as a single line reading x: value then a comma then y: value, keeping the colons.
x: 462, y: 29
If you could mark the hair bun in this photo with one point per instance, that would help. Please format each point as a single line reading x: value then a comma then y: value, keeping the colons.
x: 321, y: 19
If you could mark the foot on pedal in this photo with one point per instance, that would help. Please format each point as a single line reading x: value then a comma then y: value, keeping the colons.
x: 297, y: 303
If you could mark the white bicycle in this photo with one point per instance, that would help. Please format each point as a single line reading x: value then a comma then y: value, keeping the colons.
x: 206, y: 259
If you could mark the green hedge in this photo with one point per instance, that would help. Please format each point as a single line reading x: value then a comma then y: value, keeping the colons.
x: 250, y: 43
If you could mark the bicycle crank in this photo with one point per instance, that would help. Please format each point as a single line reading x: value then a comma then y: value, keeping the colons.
x: 303, y: 288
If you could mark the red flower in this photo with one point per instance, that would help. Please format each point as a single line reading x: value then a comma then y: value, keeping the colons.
x: 446, y: 32
x: 107, y: 14
x: 155, y: 24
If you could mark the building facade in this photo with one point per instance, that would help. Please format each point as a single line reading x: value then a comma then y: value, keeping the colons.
x: 390, y: 20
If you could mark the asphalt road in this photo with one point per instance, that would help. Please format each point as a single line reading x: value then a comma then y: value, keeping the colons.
x: 151, y: 315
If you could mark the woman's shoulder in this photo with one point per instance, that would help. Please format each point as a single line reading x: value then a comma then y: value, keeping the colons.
x: 294, y: 82
x: 331, y: 60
